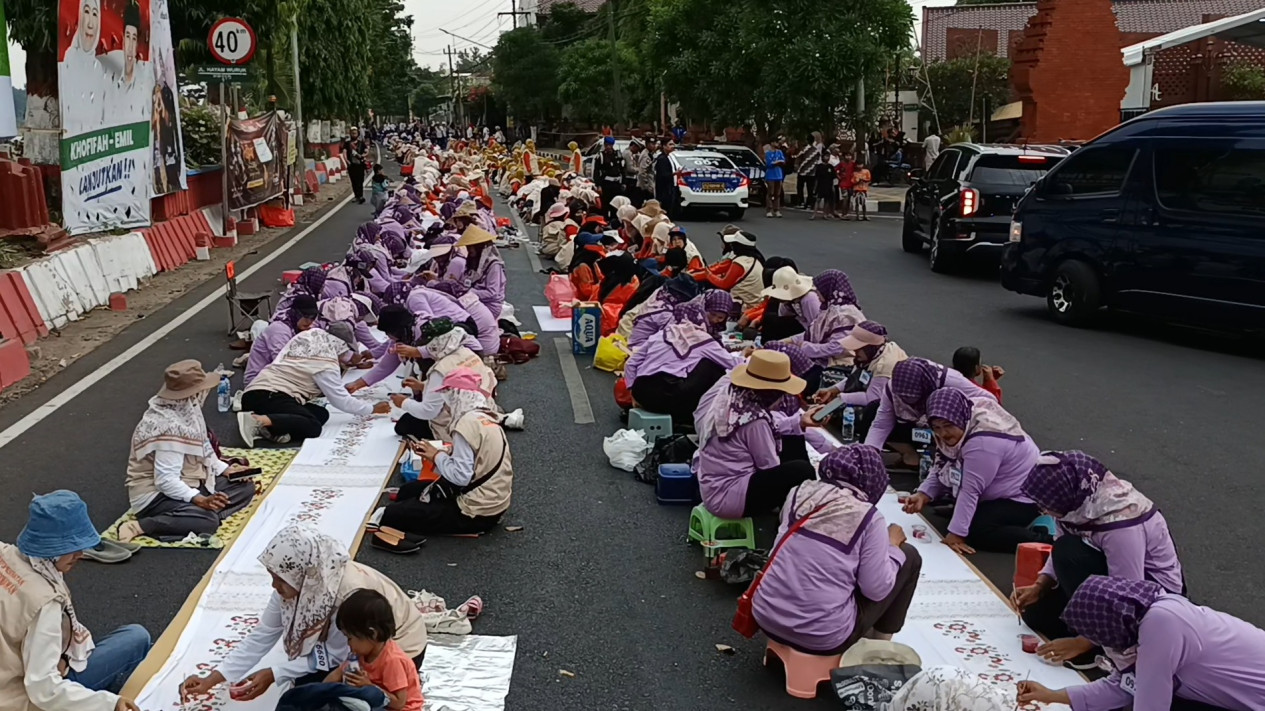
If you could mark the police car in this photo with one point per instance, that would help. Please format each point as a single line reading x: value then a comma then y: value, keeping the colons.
x: 709, y: 180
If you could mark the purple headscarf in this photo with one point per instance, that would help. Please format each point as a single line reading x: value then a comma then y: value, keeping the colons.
x: 395, y: 239
x: 448, y: 287
x: 447, y: 210
x: 397, y: 293
x: 1108, y: 611
x: 800, y: 363
x: 718, y: 301
x: 360, y: 260
x: 733, y: 407
x: 860, y: 466
x: 951, y: 406
x: 835, y: 288
x: 1084, y: 495
x: 691, y: 311
x: 312, y: 281
x: 368, y: 232
x: 913, y: 379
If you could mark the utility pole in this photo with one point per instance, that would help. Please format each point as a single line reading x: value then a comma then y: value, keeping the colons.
x: 618, y: 87
x: 452, y: 86
x: 300, y: 168
x: 514, y: 13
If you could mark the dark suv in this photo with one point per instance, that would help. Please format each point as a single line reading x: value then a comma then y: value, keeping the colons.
x: 961, y: 205
x: 1164, y: 214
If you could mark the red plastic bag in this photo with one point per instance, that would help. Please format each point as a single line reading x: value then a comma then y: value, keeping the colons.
x: 502, y: 222
x: 623, y: 396
x: 275, y: 216
x: 560, y: 293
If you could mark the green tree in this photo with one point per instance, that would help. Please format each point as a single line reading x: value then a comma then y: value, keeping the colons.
x: 567, y: 24
x: 586, y: 86
x: 960, y: 87
x: 1243, y: 82
x: 525, y: 74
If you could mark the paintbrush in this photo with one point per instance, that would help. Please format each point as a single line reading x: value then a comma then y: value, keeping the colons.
x: 1019, y: 705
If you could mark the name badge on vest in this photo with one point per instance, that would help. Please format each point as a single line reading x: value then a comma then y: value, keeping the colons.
x: 321, y: 654
x: 865, y: 377
x: 955, y: 478
x: 1129, y: 682
x: 468, y: 299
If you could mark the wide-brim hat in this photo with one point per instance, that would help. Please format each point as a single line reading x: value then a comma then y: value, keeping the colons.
x: 475, y: 235
x: 466, y: 209
x: 768, y: 370
x: 860, y: 336
x: 651, y: 208
x: 185, y: 379
x: 788, y: 285
x: 57, y: 525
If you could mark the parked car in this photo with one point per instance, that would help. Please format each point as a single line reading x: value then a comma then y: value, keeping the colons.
x: 1164, y: 214
x: 709, y: 180
x: 961, y: 206
x: 749, y: 162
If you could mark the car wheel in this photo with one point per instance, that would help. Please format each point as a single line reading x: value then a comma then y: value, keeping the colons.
x: 1074, y: 294
x: 940, y: 262
x: 909, y: 239
x: 737, y: 214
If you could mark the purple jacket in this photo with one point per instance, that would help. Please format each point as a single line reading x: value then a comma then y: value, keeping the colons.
x: 264, y: 349
x: 1141, y: 552
x: 646, y: 326
x: 992, y: 468
x: 656, y: 356
x: 885, y: 420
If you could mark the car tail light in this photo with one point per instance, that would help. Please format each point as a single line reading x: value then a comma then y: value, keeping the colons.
x: 681, y: 176
x: 968, y: 200
x: 1031, y: 159
x: 743, y: 181
x: 1016, y: 231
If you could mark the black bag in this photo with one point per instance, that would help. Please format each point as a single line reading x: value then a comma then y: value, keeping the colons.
x: 674, y: 449
x: 870, y: 687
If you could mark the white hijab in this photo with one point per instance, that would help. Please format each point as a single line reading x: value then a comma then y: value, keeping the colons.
x: 313, y: 564
x: 949, y: 688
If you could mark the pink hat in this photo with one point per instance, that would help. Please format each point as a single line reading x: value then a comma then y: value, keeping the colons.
x: 462, y: 379
x: 866, y: 333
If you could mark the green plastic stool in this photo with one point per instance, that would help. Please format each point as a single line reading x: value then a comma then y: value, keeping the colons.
x: 708, y: 528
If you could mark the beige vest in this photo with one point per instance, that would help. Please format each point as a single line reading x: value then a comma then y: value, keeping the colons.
x: 282, y: 377
x: 410, y: 631
x: 625, y: 326
x: 747, y: 291
x: 140, y: 475
x: 23, y: 593
x: 487, y: 438
x: 463, y: 357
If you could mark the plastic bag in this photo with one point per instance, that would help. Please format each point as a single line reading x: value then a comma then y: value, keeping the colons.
x: 612, y: 353
x: 626, y: 449
x: 560, y: 294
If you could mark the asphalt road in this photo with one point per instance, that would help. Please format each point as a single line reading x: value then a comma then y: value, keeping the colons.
x: 601, y: 582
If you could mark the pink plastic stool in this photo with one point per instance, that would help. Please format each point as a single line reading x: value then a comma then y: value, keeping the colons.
x: 803, y: 671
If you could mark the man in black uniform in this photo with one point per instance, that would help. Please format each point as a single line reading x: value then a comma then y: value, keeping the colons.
x: 608, y: 173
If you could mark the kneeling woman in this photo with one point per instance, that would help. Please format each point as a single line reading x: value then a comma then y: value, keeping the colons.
x: 1169, y: 653
x: 1106, y: 527
x: 276, y: 405
x: 840, y: 572
x: 739, y: 471
x: 982, y: 460
x: 312, y: 574
x: 672, y: 369
x: 175, y: 482
x: 477, y: 477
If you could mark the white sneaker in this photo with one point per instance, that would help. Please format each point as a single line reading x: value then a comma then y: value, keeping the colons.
x: 513, y: 420
x: 241, y: 360
x: 354, y: 704
x: 249, y: 428
x: 237, y: 401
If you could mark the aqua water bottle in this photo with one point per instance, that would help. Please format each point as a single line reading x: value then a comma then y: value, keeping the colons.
x: 849, y: 424
x: 223, y: 393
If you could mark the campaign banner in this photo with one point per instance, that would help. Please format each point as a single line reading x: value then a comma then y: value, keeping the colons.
x: 170, y: 173
x: 256, y: 149
x: 107, y: 87
x: 8, y: 113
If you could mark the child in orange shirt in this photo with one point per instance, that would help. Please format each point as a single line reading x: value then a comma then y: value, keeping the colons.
x: 861, y: 191
x: 366, y: 619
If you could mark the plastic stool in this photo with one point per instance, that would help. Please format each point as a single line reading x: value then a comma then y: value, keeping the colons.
x: 707, y: 528
x: 676, y: 485
x: 1029, y: 560
x: 803, y: 671
x: 653, y: 424
x: 1046, y: 523
x: 290, y: 276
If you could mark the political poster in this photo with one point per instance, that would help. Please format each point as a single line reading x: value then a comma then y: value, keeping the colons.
x: 169, y: 169
x: 107, y: 86
x: 255, y: 174
x: 8, y: 115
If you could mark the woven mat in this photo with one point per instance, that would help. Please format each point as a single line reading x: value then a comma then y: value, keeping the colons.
x: 272, y: 461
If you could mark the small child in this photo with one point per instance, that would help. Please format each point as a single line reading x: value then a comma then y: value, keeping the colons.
x: 380, y: 186
x: 366, y: 619
x: 861, y: 191
x: 966, y: 360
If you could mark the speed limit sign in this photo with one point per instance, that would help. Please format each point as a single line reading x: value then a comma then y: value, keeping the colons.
x: 232, y: 41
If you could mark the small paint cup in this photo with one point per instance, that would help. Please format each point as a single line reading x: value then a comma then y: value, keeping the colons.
x: 921, y: 533
x: 237, y: 691
x: 1030, y: 643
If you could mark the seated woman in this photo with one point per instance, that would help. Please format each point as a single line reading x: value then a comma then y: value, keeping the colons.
x: 299, y: 316
x: 586, y: 275
x: 740, y: 270
x: 844, y: 573
x: 1106, y: 527
x: 175, y: 482
x: 477, y: 476
x: 484, y: 326
x: 557, y: 230
x: 54, y: 664
x: 441, y: 350
x: 277, y: 404
x: 1168, y: 652
x: 679, y: 242
x: 903, y: 403
x: 312, y: 574
x: 737, y: 464
x: 823, y: 336
x: 485, y: 270
x: 794, y: 446
x: 795, y: 295
x: 874, y: 357
x: 671, y: 370
x: 982, y: 460
x: 620, y: 281
x: 656, y: 312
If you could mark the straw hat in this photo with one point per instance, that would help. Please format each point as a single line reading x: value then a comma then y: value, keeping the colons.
x: 475, y: 235
x: 651, y: 208
x: 788, y: 285
x: 466, y: 209
x: 768, y: 370
x: 185, y: 379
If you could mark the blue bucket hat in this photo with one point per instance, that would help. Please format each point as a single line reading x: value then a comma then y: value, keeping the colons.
x: 58, y: 524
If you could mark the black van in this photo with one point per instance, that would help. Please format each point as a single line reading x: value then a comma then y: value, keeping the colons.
x: 1164, y: 214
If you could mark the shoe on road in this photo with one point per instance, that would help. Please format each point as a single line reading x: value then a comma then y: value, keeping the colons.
x: 249, y: 428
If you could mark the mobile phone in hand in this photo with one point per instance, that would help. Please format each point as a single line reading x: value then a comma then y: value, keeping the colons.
x: 828, y: 410
x: 245, y: 473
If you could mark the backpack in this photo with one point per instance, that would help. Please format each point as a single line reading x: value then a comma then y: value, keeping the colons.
x: 518, y: 351
x: 675, y: 449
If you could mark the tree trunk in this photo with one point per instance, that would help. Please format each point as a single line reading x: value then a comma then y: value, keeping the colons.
x: 43, y: 113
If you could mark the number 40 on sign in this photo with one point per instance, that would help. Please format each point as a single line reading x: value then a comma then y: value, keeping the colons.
x: 232, y: 41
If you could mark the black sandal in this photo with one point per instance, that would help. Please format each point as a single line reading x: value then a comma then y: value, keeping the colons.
x: 395, y: 541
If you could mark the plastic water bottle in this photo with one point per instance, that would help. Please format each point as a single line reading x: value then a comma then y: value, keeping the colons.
x: 353, y: 663
x: 223, y: 393
x: 849, y: 424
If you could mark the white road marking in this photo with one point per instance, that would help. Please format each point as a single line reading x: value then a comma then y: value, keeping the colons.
x: 575, y: 384
x: 79, y: 387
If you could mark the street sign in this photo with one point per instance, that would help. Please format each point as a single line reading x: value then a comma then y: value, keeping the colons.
x: 232, y: 41
x: 223, y: 72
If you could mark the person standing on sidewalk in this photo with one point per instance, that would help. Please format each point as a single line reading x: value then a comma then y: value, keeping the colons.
x: 608, y: 173
x: 806, y: 169
x: 355, y: 149
x: 665, y: 190
x: 930, y: 149
x: 774, y: 165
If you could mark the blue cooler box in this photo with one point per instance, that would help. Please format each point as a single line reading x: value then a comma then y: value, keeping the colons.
x: 677, y: 485
x: 586, y: 327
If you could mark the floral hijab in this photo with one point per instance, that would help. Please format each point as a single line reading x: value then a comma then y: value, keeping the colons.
x: 689, y: 330
x: 171, y: 426
x: 852, y: 480
x: 1083, y: 495
x: 976, y: 418
x: 733, y: 407
x: 313, y: 564
x: 947, y: 688
x: 445, y: 344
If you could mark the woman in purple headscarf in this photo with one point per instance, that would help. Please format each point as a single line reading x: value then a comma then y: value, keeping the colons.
x: 1169, y: 653
x: 299, y: 316
x: 345, y: 309
x: 485, y: 269
x: 845, y: 574
x: 982, y: 460
x: 903, y: 401
x: 672, y: 369
x: 823, y: 335
x: 721, y: 308
x: 1106, y: 527
x: 656, y: 312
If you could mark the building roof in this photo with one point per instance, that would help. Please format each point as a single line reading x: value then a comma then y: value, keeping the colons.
x: 586, y: 5
x: 1248, y: 28
x: 1133, y: 16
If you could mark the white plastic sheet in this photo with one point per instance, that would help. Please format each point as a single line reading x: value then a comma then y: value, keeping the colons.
x: 469, y: 673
